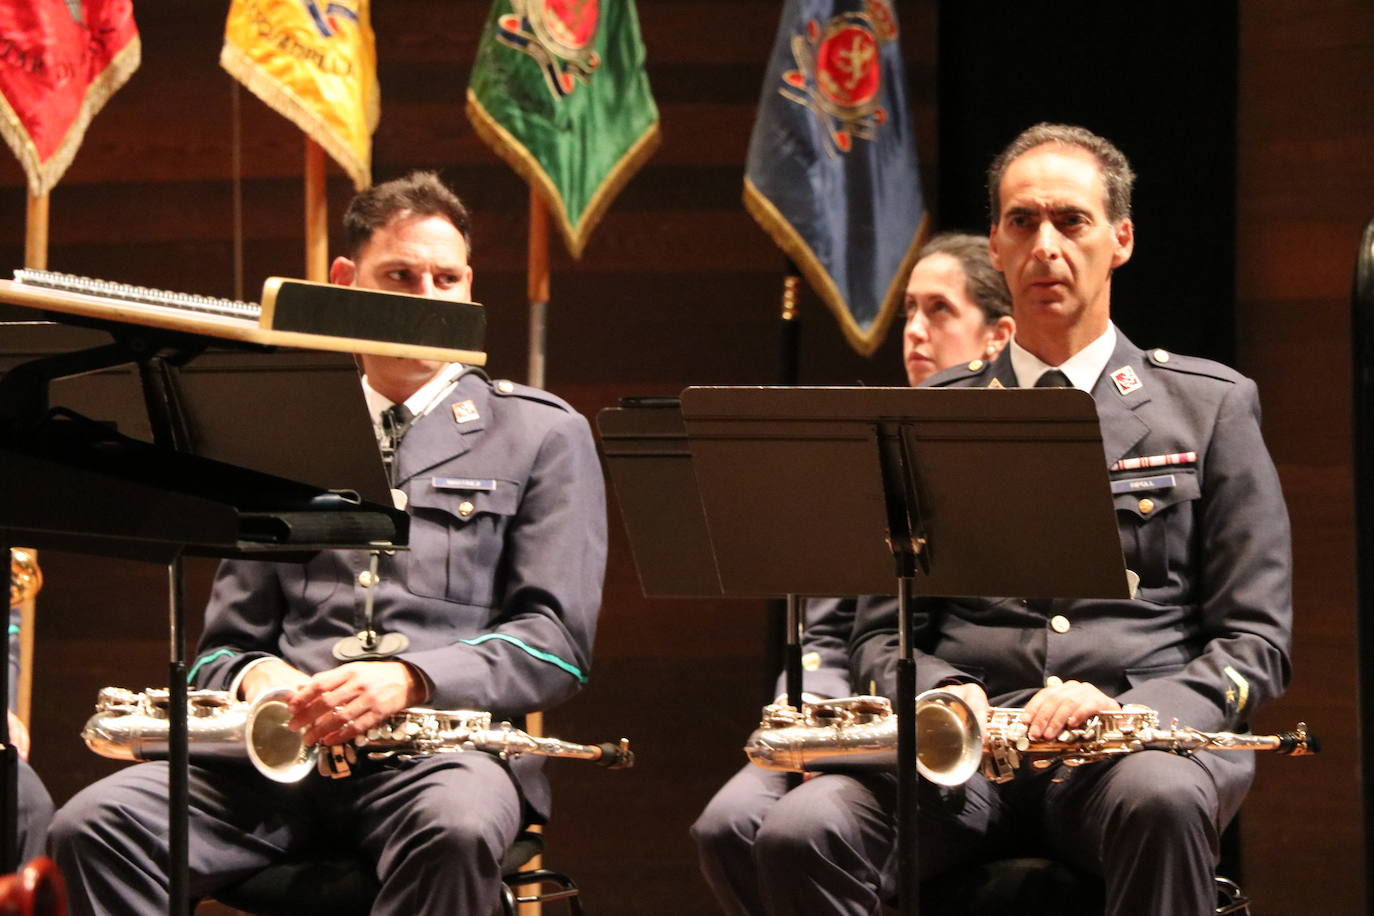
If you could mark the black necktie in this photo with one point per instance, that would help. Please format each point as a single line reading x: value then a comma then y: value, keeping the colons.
x: 1053, y: 378
x: 396, y: 419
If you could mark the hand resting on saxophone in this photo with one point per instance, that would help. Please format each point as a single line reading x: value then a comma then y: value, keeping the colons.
x: 337, y: 705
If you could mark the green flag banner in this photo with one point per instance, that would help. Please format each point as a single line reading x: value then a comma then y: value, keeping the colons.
x: 558, y: 90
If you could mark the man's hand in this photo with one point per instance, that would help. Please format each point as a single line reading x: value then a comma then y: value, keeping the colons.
x: 337, y: 705
x: 974, y: 696
x: 19, y: 736
x: 270, y: 674
x: 1068, y: 705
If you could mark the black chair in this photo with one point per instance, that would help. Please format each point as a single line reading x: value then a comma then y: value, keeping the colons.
x: 338, y: 884
x: 1034, y: 885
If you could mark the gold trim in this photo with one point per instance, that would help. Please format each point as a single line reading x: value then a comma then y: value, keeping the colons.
x: 518, y: 157
x: 771, y: 220
x: 44, y: 176
x: 286, y: 103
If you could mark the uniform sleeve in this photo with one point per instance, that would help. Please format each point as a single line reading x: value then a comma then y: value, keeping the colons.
x: 538, y: 650
x: 873, y: 649
x: 1244, y: 593
x: 825, y: 648
x: 242, y: 622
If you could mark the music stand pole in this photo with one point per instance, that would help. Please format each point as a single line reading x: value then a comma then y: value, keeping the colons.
x: 9, y: 754
x: 792, y: 654
x: 178, y: 746
x: 903, y: 519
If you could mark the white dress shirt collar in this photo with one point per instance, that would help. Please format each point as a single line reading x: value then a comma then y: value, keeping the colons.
x: 1083, y: 368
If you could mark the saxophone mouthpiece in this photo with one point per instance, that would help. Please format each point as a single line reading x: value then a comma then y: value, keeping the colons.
x: 616, y: 756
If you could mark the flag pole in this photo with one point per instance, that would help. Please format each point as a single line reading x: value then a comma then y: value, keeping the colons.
x: 316, y: 214
x: 36, y: 233
x: 538, y: 286
x: 537, y: 292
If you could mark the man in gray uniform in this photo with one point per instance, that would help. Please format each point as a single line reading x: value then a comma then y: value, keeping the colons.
x: 1205, y: 638
x: 493, y: 608
x: 957, y: 309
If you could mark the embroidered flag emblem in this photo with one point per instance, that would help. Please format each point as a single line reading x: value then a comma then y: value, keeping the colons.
x: 1126, y: 380
x: 559, y: 34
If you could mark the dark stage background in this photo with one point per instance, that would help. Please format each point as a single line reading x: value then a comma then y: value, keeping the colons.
x: 1248, y: 123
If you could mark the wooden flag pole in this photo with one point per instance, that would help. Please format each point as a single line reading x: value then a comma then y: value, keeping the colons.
x: 537, y: 292
x: 36, y: 233
x: 316, y: 214
x: 538, y: 288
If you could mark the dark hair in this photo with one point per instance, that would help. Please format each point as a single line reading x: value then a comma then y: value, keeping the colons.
x: 983, y: 283
x: 1111, y: 164
x: 416, y: 194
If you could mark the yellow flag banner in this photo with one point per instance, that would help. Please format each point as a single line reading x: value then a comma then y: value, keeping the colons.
x: 315, y: 63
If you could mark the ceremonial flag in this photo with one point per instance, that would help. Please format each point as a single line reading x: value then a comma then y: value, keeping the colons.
x: 60, y: 61
x: 831, y: 173
x: 315, y: 63
x: 558, y: 90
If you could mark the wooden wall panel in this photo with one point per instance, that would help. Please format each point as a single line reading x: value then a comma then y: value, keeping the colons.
x: 1306, y: 189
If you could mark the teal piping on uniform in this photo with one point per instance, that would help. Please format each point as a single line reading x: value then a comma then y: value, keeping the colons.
x: 191, y: 677
x: 529, y: 650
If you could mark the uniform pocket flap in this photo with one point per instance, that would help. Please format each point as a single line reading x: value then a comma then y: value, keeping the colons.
x: 485, y: 497
x: 1151, y: 494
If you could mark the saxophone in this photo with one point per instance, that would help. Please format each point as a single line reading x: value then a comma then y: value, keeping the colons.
x: 951, y: 745
x: 134, y: 726
x: 25, y: 576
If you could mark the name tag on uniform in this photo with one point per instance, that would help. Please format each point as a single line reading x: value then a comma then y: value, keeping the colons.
x: 462, y: 483
x: 1131, y: 484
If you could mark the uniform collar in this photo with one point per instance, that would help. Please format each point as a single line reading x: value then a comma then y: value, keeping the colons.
x: 422, y: 401
x: 1083, y: 368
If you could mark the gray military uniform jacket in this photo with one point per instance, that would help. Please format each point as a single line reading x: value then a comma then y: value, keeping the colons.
x: 1206, y: 639
x: 499, y: 592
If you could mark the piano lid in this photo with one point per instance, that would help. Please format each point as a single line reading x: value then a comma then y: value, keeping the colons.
x: 293, y: 313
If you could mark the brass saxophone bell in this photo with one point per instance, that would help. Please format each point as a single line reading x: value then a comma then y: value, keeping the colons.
x: 276, y: 751
x: 949, y: 739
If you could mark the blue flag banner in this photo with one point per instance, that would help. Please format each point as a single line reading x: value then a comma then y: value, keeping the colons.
x: 832, y: 173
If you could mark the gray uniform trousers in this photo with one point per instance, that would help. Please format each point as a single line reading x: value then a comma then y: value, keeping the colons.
x: 1149, y: 822
x: 435, y: 827
x: 35, y: 812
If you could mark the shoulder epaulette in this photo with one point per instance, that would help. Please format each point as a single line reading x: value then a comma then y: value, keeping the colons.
x: 506, y: 388
x: 1192, y: 365
x: 972, y: 369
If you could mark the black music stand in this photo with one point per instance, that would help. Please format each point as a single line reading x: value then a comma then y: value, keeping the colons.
x: 833, y: 491
x: 179, y: 495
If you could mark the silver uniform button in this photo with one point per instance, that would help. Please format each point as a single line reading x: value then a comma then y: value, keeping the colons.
x: 1059, y: 623
x: 1161, y: 356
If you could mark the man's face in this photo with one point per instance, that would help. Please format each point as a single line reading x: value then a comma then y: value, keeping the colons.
x: 419, y: 255
x: 1054, y: 242
x: 944, y: 327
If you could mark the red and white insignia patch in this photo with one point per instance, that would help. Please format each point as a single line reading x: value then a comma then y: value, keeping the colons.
x: 1126, y: 380
x: 465, y: 412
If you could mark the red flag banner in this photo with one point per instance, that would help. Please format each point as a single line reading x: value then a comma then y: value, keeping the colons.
x: 60, y: 61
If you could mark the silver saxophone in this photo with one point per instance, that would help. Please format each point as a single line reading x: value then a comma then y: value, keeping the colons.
x: 134, y: 726
x: 951, y: 744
